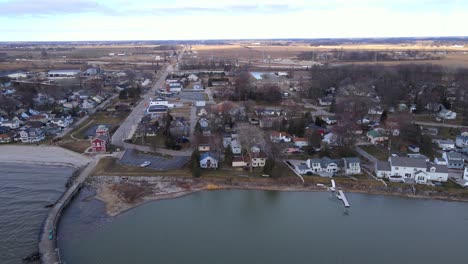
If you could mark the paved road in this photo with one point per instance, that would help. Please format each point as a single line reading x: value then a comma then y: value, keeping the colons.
x: 434, y: 124
x: 366, y: 155
x: 128, y: 127
x: 134, y: 158
x: 320, y: 110
x: 84, y: 118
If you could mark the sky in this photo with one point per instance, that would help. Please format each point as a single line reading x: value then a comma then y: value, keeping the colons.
x: 87, y: 20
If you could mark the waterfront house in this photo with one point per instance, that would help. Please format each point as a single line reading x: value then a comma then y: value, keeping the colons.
x: 324, y: 164
x: 203, y: 147
x: 258, y: 158
x: 31, y: 135
x: 352, y: 166
x: 208, y: 161
x: 403, y: 168
x: 454, y: 160
x: 5, y: 138
x: 239, y: 162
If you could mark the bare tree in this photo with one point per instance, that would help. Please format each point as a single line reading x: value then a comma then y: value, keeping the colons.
x: 249, y: 137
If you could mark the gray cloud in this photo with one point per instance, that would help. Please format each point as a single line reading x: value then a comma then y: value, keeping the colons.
x: 51, y: 7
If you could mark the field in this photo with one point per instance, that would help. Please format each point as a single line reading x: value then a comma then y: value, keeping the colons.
x: 456, y: 57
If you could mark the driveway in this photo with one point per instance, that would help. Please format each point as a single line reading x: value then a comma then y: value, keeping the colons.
x: 134, y: 158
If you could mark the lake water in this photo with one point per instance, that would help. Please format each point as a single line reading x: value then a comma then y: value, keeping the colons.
x: 24, y: 191
x: 267, y: 227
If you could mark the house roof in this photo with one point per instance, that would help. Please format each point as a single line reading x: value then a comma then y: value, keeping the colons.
x: 4, y: 136
x: 101, y: 138
x: 352, y: 160
x: 207, y: 155
x: 446, y: 141
x: 408, y: 162
x: 278, y: 134
x: 454, y: 156
x: 439, y: 168
x: 299, y: 139
x: 383, y: 166
x: 374, y: 133
x: 238, y: 159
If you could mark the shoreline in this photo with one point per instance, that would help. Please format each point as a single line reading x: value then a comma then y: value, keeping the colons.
x: 109, y: 190
x: 41, y: 155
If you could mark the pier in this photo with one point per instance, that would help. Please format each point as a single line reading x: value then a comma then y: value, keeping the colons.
x: 343, y: 198
x: 48, y: 250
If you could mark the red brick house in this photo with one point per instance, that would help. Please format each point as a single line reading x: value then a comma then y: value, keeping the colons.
x: 100, y: 143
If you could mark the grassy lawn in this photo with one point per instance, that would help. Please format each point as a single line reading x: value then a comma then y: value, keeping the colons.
x: 432, y: 118
x: 109, y: 166
x: 379, y: 153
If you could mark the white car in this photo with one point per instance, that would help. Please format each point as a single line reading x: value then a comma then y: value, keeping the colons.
x: 145, y: 164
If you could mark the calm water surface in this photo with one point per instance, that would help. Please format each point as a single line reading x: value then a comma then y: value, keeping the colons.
x: 267, y: 227
x: 24, y: 191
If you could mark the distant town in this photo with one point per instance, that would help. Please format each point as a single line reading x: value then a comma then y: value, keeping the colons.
x: 295, y: 111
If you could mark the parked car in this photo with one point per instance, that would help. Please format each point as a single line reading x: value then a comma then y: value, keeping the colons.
x: 145, y: 164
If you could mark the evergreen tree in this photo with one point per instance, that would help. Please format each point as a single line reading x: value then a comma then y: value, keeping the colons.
x: 269, y: 166
x: 228, y: 155
x: 195, y: 164
x: 383, y: 117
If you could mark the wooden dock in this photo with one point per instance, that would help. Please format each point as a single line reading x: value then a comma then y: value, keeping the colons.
x: 343, y: 198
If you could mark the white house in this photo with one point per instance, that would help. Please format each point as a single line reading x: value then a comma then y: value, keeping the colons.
x: 446, y: 144
x: 447, y: 114
x: 239, y: 161
x: 236, y: 146
x: 61, y: 122
x: 258, y: 158
x: 352, y: 166
x: 61, y: 74
x: 461, y: 141
x: 175, y: 87
x: 465, y: 174
x: 208, y: 161
x: 192, y: 78
x: 200, y: 103
x: 326, y: 101
x: 401, y: 168
x: 280, y: 137
x: 31, y: 135
x: 324, y: 164
x: 12, y: 124
x: 376, y: 137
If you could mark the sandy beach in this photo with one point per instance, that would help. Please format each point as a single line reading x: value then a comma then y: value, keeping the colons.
x: 45, y: 155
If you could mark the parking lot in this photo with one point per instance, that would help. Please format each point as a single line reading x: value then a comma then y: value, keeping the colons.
x: 135, y: 158
x: 194, y: 96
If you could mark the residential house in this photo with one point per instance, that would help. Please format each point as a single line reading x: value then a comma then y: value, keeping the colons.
x: 236, y: 146
x: 175, y: 87
x: 454, y: 160
x: 300, y: 142
x: 192, y: 78
x: 280, y: 137
x: 446, y: 144
x: 413, y: 148
x: 461, y: 141
x: 403, y: 168
x: 203, y: 147
x: 208, y: 161
x: 100, y: 143
x: 5, y: 138
x: 324, y: 166
x: 38, y: 118
x: 352, y: 166
x: 227, y: 139
x: 464, y: 131
x: 258, y: 158
x: 326, y: 101
x: 102, y: 130
x: 465, y: 174
x: 31, y: 135
x: 61, y: 122
x: 331, y: 139
x: 330, y: 120
x: 375, y: 111
x: 376, y: 137
x: 447, y: 114
x: 13, y: 124
x: 239, y: 162
x: 198, y: 87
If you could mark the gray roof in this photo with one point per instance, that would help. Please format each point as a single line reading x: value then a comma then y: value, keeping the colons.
x: 454, y: 156
x: 439, y: 168
x: 324, y: 161
x: 352, y: 160
x: 383, y: 166
x: 408, y: 162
